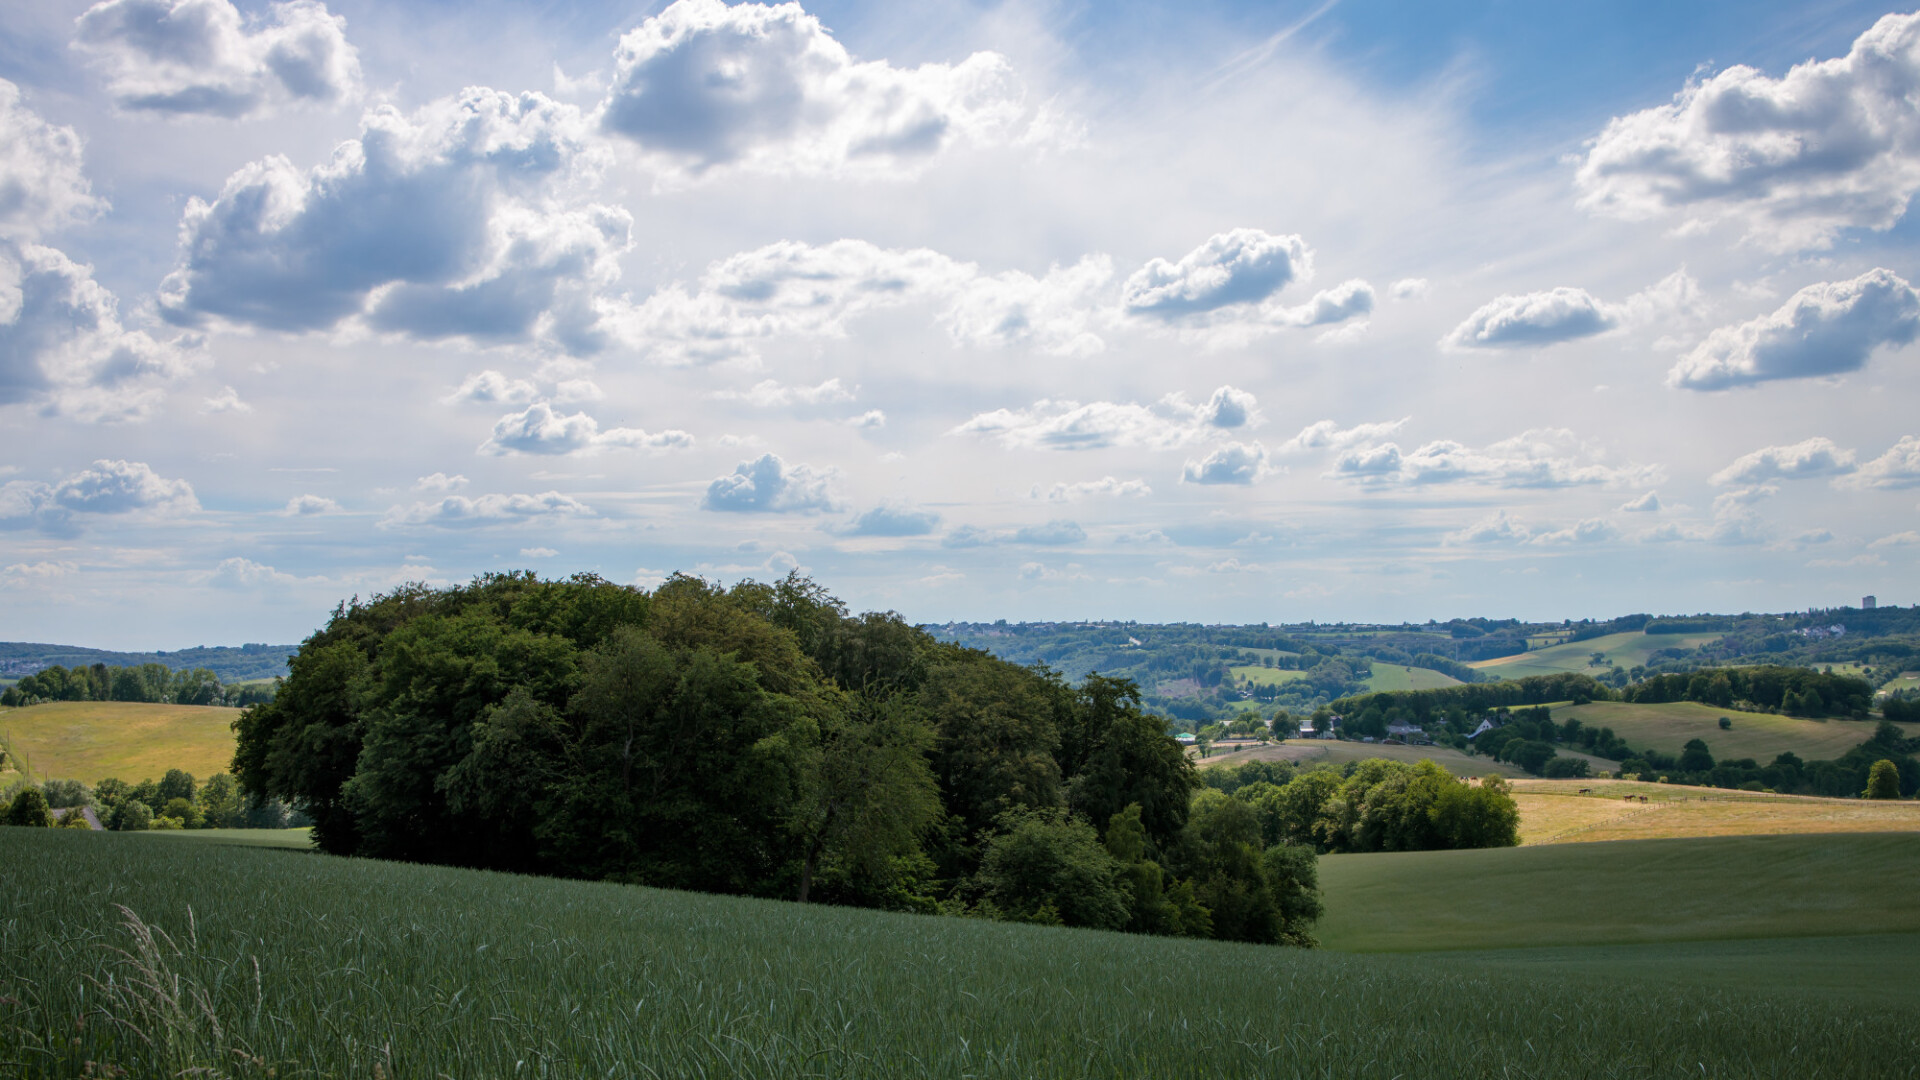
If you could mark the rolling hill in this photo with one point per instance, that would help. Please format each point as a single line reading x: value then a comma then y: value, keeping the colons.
x: 1667, y: 727
x: 91, y: 740
x: 1625, y: 649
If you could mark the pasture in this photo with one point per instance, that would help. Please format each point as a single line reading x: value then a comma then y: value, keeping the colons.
x: 1382, y: 676
x: 1640, y: 892
x: 253, y: 962
x: 1555, y: 812
x: 1338, y: 752
x: 91, y: 740
x: 1625, y: 649
x: 1760, y: 736
x: 1265, y: 676
x: 1386, y: 676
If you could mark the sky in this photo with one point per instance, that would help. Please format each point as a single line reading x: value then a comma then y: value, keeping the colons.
x: 1214, y: 312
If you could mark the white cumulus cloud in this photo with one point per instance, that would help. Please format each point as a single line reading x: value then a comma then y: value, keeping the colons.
x: 202, y: 57
x: 1234, y: 463
x: 538, y: 429
x: 1833, y: 144
x: 1170, y: 423
x: 459, y: 511
x: 1826, y: 329
x: 1105, y: 487
x: 1532, y: 320
x: 705, y: 86
x: 768, y: 484
x: 1899, y: 467
x: 42, y: 183
x: 64, y: 348
x: 459, y: 221
x: 790, y: 289
x: 310, y: 505
x: 1540, y: 458
x: 492, y: 388
x: 893, y: 519
x: 1804, y: 460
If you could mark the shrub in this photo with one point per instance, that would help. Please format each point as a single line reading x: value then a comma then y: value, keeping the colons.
x: 1883, y: 780
x: 75, y: 818
x: 29, y: 810
x: 1564, y: 768
x: 131, y: 815
x: 1047, y: 867
x: 62, y: 794
x: 184, y: 811
x: 1726, y: 723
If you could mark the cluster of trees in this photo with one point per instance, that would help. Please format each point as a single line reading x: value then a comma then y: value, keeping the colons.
x: 153, y: 683
x: 1372, y: 805
x: 1794, y: 691
x: 1844, y: 777
x: 175, y: 801
x: 755, y: 740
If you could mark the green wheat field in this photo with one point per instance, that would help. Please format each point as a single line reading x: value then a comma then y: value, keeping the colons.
x: 166, y: 957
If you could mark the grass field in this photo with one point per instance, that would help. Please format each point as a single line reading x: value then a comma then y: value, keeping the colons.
x: 1554, y: 812
x: 311, y: 966
x: 91, y: 740
x: 1695, y: 889
x: 1626, y: 649
x: 1760, y: 736
x: 1265, y: 676
x: 1397, y: 677
x: 1336, y: 752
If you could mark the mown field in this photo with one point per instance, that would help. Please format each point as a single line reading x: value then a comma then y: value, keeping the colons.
x: 1760, y: 736
x: 1625, y: 649
x: 1555, y: 812
x: 288, y: 964
x: 92, y: 740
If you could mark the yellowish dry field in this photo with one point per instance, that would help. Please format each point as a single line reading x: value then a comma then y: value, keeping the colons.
x: 1554, y: 812
x: 92, y: 740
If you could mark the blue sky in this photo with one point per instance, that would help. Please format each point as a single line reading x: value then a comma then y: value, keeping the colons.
x: 1208, y: 312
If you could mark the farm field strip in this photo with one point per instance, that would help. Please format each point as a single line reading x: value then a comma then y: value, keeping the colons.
x: 1564, y: 817
x: 1638, y: 891
x: 1626, y: 649
x: 1339, y: 752
x: 1667, y: 727
x: 316, y: 966
x: 91, y: 740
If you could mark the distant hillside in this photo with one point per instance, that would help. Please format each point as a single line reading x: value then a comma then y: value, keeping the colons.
x: 232, y: 664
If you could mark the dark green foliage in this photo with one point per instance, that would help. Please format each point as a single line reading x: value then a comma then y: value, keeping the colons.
x: 1796, y: 691
x: 131, y: 815
x: 754, y: 740
x: 1478, y: 697
x: 1562, y: 768
x: 1250, y: 892
x: 1382, y: 805
x: 29, y: 810
x: 62, y: 794
x: 176, y: 784
x: 1047, y: 867
x: 148, y: 682
x: 1694, y: 757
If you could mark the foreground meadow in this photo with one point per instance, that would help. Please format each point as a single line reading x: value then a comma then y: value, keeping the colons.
x: 163, y: 956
